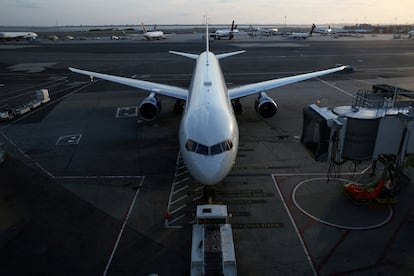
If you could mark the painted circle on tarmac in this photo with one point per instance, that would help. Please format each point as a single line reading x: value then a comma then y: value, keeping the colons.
x: 325, y: 202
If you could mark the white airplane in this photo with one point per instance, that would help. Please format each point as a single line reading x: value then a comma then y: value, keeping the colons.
x: 411, y: 34
x: 17, y: 35
x: 208, y: 134
x: 259, y: 31
x: 152, y: 35
x: 324, y: 31
x: 303, y: 35
x: 226, y: 32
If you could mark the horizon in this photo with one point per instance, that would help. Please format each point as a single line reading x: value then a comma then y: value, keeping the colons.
x: 184, y: 12
x: 280, y: 25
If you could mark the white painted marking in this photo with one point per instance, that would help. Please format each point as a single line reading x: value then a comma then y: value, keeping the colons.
x: 182, y: 180
x: 308, y: 257
x: 26, y: 156
x: 180, y: 190
x: 178, y: 209
x: 175, y: 220
x: 99, y: 177
x: 199, y: 188
x: 322, y: 174
x: 131, y: 206
x: 197, y: 198
x: 355, y: 228
x: 127, y: 111
x: 337, y: 88
x: 178, y: 199
x: 72, y: 139
x: 180, y: 174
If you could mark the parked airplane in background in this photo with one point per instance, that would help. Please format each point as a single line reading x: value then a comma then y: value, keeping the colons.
x: 226, y: 32
x: 152, y: 35
x: 411, y: 34
x: 259, y: 31
x: 208, y: 134
x: 323, y: 30
x: 17, y: 35
x: 303, y: 35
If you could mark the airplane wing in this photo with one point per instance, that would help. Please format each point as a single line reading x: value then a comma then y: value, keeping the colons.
x: 254, y: 88
x: 162, y: 89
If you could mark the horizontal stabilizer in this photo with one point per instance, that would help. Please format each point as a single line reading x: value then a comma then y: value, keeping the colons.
x: 187, y: 55
x: 220, y: 56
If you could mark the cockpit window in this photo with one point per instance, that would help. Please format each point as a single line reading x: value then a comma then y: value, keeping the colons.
x: 190, y: 145
x: 193, y: 146
x: 216, y: 149
x: 228, y: 144
x: 201, y: 149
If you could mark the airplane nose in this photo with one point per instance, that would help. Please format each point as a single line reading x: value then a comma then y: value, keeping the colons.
x: 210, y: 170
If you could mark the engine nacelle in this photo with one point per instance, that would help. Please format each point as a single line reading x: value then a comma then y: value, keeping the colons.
x: 150, y: 107
x: 265, y: 106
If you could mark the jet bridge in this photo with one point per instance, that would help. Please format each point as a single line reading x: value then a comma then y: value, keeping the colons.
x: 371, y: 128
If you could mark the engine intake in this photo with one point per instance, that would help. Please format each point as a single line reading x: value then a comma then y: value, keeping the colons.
x: 265, y: 106
x: 150, y: 107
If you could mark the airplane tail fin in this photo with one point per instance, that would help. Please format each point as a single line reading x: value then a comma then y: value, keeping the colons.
x: 219, y: 56
x: 143, y: 27
x: 195, y: 56
x: 207, y: 37
x: 232, y: 29
x: 312, y: 29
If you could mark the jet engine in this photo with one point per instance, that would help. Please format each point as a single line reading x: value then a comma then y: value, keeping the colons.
x: 150, y: 107
x: 265, y: 106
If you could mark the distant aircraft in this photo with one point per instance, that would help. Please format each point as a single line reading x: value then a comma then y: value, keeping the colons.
x: 411, y: 34
x: 17, y: 35
x: 152, y: 35
x: 303, y: 35
x: 226, y: 32
x: 208, y: 134
x: 323, y: 31
x: 258, y: 31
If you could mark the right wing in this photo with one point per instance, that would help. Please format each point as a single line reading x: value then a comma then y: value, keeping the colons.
x: 258, y: 87
x: 163, y: 89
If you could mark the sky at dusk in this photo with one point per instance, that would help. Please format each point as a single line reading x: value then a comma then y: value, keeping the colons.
x: 120, y: 12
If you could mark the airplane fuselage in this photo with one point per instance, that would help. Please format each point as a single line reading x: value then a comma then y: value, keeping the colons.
x: 154, y: 35
x: 226, y: 33
x: 18, y: 35
x: 209, y: 135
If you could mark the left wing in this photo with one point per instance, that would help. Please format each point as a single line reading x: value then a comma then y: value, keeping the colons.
x: 163, y: 89
x: 258, y: 87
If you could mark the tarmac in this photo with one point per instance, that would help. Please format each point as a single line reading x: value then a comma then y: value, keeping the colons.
x: 88, y: 188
